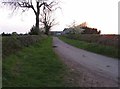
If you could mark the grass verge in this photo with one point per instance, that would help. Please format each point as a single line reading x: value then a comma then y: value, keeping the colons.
x: 12, y: 44
x: 93, y: 47
x: 33, y: 66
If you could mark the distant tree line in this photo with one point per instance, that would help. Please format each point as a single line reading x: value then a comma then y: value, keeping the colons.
x: 88, y: 30
x: 31, y: 32
x: 12, y: 34
x: 81, y: 29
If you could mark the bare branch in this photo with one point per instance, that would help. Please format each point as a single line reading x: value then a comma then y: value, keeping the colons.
x: 33, y: 9
x: 47, y: 9
x: 20, y: 3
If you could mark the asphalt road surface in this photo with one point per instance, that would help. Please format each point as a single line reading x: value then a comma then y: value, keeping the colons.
x: 90, y: 69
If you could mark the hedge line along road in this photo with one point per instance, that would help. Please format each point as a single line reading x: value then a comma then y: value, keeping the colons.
x: 90, y: 69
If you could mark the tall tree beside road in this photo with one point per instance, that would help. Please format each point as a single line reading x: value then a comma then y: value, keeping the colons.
x: 35, y: 5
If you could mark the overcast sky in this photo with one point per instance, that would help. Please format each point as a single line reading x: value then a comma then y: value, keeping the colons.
x: 100, y: 14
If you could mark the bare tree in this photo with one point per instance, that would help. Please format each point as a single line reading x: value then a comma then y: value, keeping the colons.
x: 47, y: 20
x: 35, y: 5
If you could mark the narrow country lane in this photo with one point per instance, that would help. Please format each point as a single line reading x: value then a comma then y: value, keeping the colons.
x: 93, y: 70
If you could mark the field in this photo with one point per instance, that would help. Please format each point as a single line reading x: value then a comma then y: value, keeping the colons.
x: 92, y: 46
x: 33, y: 66
x: 107, y: 40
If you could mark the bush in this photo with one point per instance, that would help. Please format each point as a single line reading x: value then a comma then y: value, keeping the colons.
x: 13, y: 44
x: 34, y: 31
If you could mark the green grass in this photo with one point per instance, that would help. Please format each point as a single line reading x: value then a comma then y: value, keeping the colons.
x: 34, y: 66
x: 93, y: 47
x: 12, y: 44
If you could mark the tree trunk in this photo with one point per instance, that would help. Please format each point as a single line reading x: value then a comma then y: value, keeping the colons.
x: 47, y: 29
x: 37, y: 21
x: 47, y: 32
x: 37, y: 18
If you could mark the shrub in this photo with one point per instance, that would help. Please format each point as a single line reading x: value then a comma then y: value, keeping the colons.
x: 34, y: 31
x: 13, y: 44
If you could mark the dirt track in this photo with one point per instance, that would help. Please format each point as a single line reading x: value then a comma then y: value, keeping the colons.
x: 87, y: 69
